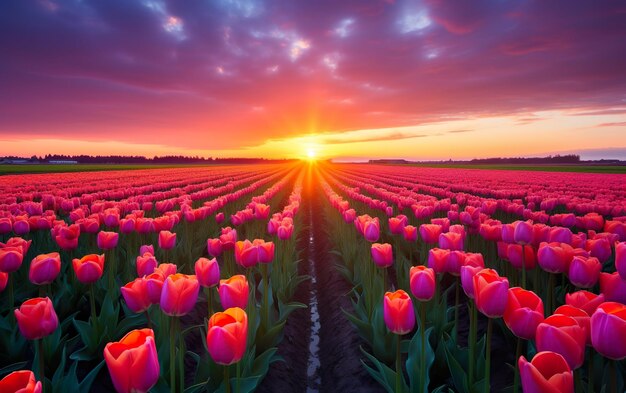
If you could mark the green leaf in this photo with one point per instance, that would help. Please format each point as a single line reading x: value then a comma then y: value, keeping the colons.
x: 12, y: 367
x: 383, y: 374
x: 413, y: 363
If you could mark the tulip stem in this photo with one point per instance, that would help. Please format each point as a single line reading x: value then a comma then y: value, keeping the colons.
x: 209, y: 301
x: 423, y: 352
x: 173, y: 354
x: 92, y: 303
x: 40, y: 357
x: 384, y: 280
x: 226, y: 380
x: 237, y: 387
x: 518, y: 353
x: 149, y: 321
x: 550, y: 297
x: 590, y: 372
x: 613, y: 373
x: 523, y: 267
x: 112, y: 268
x: 11, y: 298
x: 266, y: 309
x: 487, y: 384
x: 398, y: 364
x: 472, y: 342
x: 456, y: 308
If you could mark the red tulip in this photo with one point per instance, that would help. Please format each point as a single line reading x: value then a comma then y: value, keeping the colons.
x: 207, y: 272
x: 514, y: 255
x: 146, y: 264
x: 451, y: 241
x: 620, y: 259
x: 584, y: 300
x: 397, y: 224
x: 214, y: 247
x: 36, y: 318
x: 4, y: 279
x: 136, y: 295
x: 44, y: 268
x: 227, y: 335
x: 398, y: 310
x: 553, y: 258
x: 490, y: 293
x: 560, y: 235
x: 430, y: 233
x: 179, y: 294
x: 133, y: 362
x: 154, y: 287
x: 382, y: 254
x: 166, y: 270
x: 265, y: 250
x: 410, y: 233
x: 107, y: 240
x: 146, y: 249
x: 167, y: 240
x: 613, y: 287
x: 438, y: 259
x: 22, y: 381
x: 580, y: 316
x: 423, y: 283
x: 219, y: 218
x: 599, y: 248
x: 524, y: 311
x: 127, y: 225
x: 228, y: 238
x: 584, y: 272
x: 89, y: 268
x: 234, y: 292
x: 371, y: 230
x: 563, y: 335
x: 608, y: 329
x: 523, y: 232
x: 10, y: 259
x: 246, y: 254
x: 468, y: 272
x: 548, y: 372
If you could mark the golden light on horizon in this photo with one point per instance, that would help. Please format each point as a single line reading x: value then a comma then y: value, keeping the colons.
x: 311, y: 154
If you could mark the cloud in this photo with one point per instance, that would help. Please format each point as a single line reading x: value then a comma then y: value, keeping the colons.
x: 614, y: 124
x: 393, y: 136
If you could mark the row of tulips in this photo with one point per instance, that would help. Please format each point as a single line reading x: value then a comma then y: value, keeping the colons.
x: 522, y: 309
x: 166, y: 285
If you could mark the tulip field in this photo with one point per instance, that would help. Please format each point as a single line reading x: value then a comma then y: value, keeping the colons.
x: 313, y: 277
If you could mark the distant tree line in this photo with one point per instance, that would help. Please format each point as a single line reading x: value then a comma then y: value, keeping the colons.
x: 557, y: 159
x: 116, y: 159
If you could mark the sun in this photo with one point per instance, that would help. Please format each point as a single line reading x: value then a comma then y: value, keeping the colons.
x: 311, y: 154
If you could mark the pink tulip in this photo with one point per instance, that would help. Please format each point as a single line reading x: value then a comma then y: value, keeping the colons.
x: 584, y: 300
x: 584, y: 272
x: 398, y: 311
x: 179, y: 294
x: 613, y: 287
x: 167, y: 240
x: 382, y: 254
x: 423, y: 283
x: 107, y: 240
x: 45, y: 268
x: 207, y: 272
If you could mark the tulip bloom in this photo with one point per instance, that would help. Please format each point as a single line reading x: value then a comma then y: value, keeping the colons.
x: 562, y: 334
x: 584, y: 272
x: 154, y: 287
x: 107, y: 240
x: 523, y: 232
x: 246, y: 254
x: 423, y: 283
x: 608, y: 329
x: 382, y: 254
x: 179, y: 294
x: 228, y: 238
x: 219, y: 218
x: 430, y: 233
x: 285, y: 230
x: 11, y: 259
x: 146, y: 249
x: 585, y: 300
x: 548, y: 372
x: 410, y: 233
x: 398, y: 310
x: 146, y: 264
x: 36, y: 318
x: 265, y: 250
x: 371, y: 230
x: 438, y: 259
x: 227, y: 335
x: 89, y: 268
x: 553, y: 258
x: 620, y: 259
x: 207, y: 272
x: 166, y: 269
x: 136, y: 295
x: 514, y: 255
x: 397, y: 224
x: 214, y: 247
x: 22, y: 381
x: 133, y: 362
x: 613, y: 287
x: 490, y: 293
x: 451, y: 241
x: 44, y: 268
x: 580, y: 316
x: 234, y: 292
x: 167, y: 240
x: 524, y: 312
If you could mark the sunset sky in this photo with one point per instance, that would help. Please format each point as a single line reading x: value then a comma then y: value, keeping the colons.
x: 429, y: 79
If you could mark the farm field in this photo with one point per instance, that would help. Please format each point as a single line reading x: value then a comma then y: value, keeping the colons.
x: 6, y: 169
x: 312, y: 276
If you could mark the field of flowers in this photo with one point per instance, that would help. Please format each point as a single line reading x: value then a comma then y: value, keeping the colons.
x: 313, y: 277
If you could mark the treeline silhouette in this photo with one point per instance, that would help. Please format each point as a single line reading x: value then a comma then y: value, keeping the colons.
x: 556, y: 159
x: 115, y: 159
